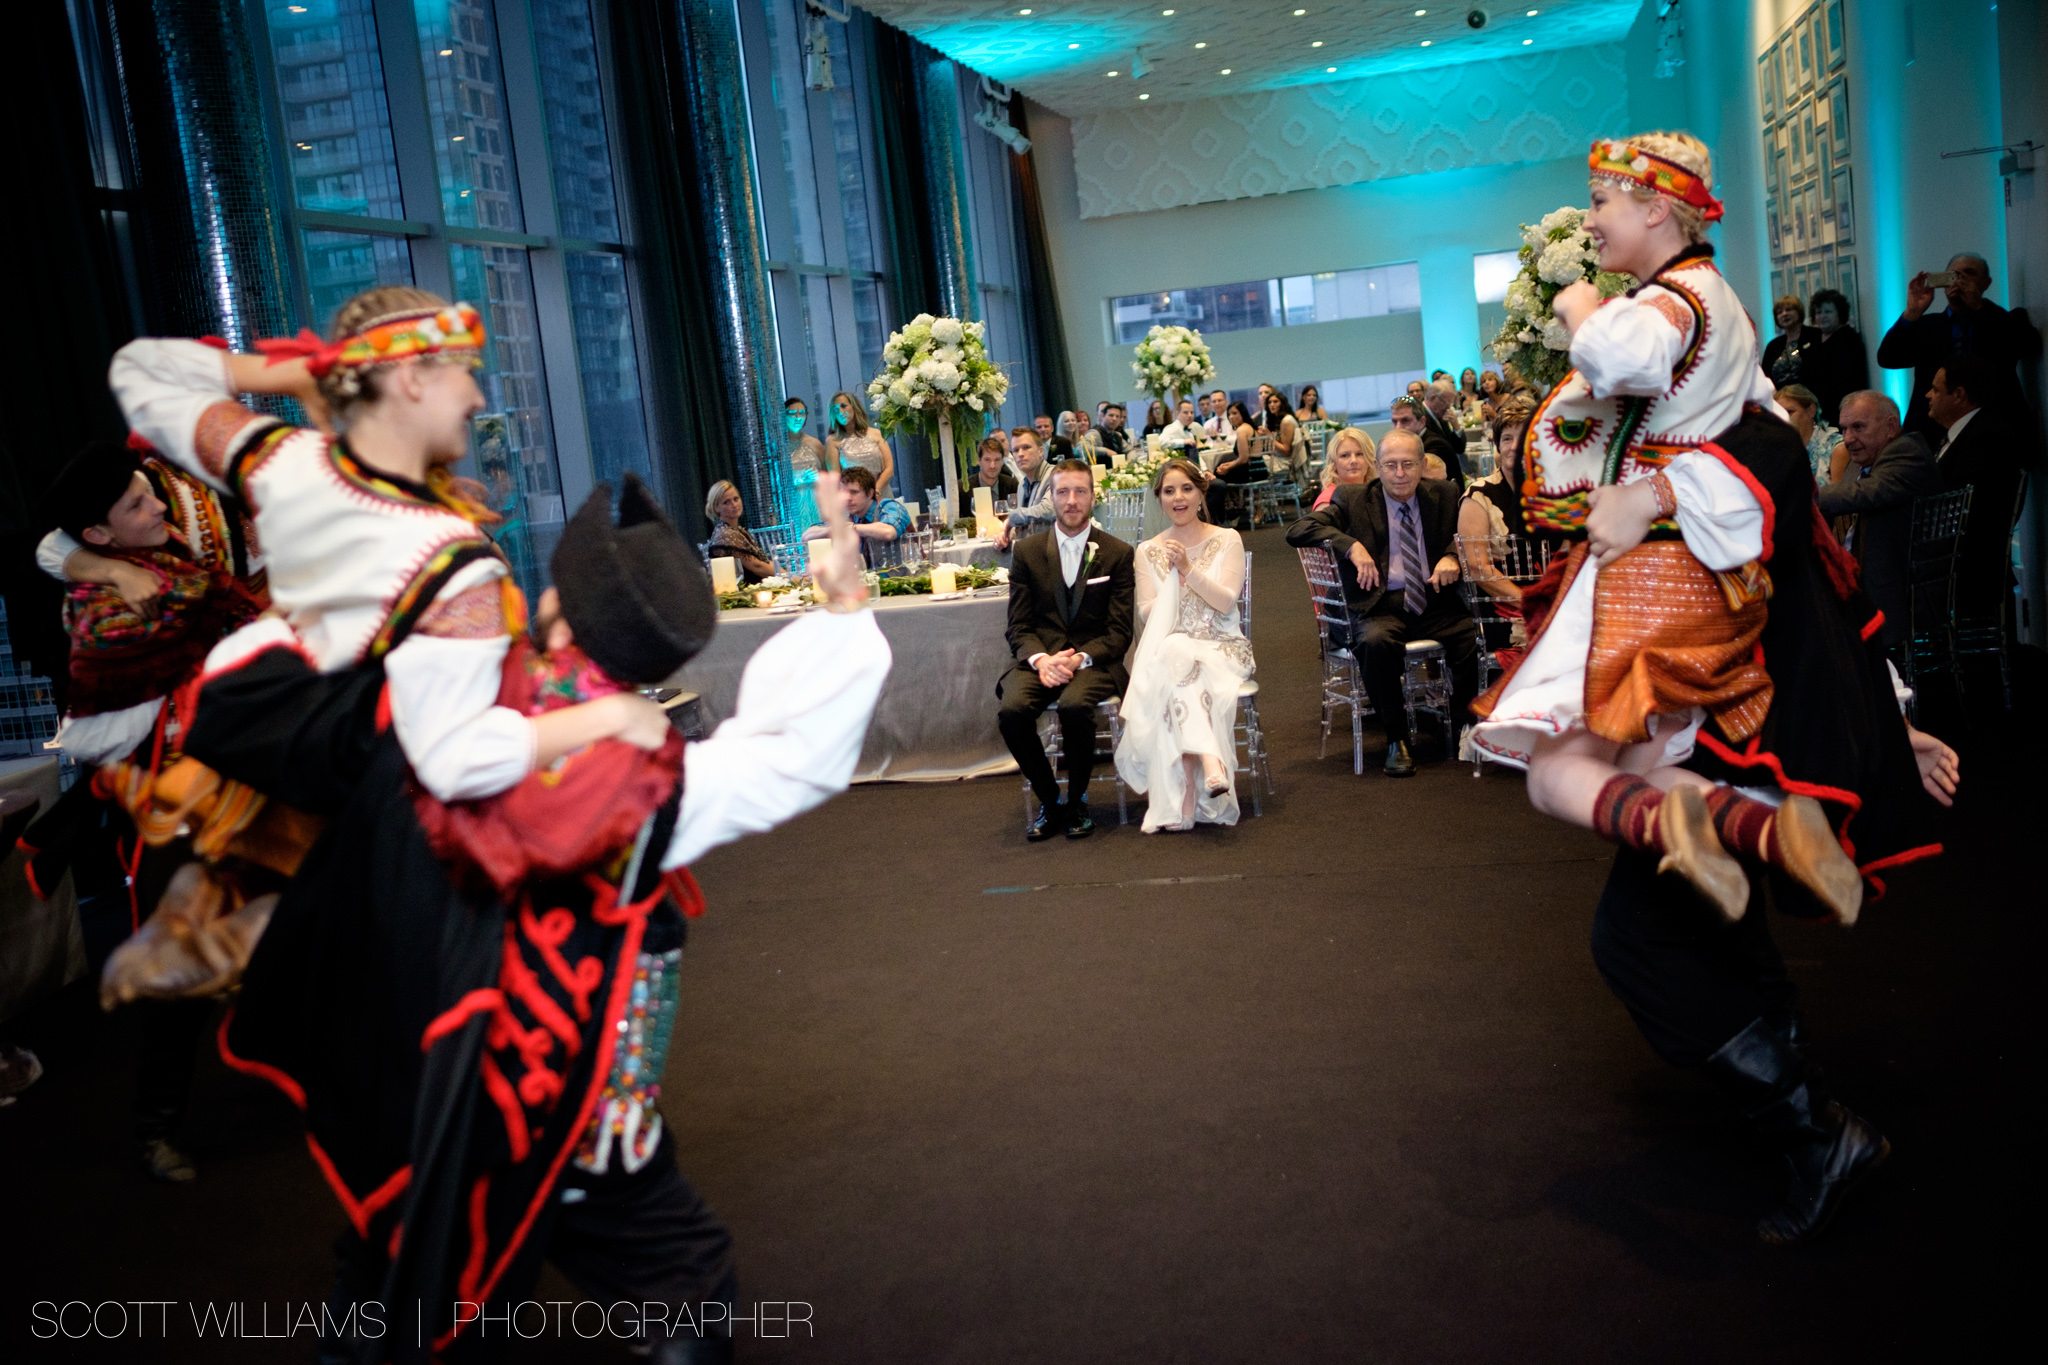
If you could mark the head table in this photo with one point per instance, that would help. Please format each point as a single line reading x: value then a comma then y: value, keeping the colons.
x: 936, y: 719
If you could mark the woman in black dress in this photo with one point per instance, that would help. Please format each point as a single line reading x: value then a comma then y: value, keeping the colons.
x: 1837, y: 365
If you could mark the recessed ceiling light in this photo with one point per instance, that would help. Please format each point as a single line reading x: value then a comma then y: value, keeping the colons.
x: 1533, y: 13
x: 1200, y: 46
x: 1072, y: 46
x: 1419, y: 13
x: 447, y: 52
x: 1144, y: 97
x: 1527, y: 41
x: 1166, y: 11
x: 1023, y: 11
x: 1315, y: 44
x: 1225, y: 71
x: 456, y: 138
x: 1329, y: 68
x: 1425, y: 42
x: 1112, y: 73
x: 1298, y: 13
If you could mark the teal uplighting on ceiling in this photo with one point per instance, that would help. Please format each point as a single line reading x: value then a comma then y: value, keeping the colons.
x: 1061, y: 54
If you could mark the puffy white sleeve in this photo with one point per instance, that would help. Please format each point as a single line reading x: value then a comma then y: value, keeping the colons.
x: 1146, y: 589
x: 51, y: 552
x: 1629, y: 345
x: 1722, y: 521
x: 177, y: 396
x: 804, y: 705
x: 444, y: 691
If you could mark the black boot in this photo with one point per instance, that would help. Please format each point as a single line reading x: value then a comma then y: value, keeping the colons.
x: 1827, y: 1148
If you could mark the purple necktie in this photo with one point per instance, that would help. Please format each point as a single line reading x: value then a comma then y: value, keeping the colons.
x: 1411, y: 561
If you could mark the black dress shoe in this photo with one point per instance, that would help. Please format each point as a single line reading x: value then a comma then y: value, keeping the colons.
x: 1399, y: 763
x: 1079, y: 824
x: 1051, y: 820
x: 1828, y: 1150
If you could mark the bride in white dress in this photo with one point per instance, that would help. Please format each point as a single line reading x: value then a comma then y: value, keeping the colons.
x: 1191, y: 655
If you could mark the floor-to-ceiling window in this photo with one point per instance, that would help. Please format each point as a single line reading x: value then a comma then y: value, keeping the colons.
x: 998, y: 277
x: 814, y: 163
x: 463, y: 146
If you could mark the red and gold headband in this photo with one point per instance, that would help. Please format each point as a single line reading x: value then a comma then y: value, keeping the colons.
x: 398, y: 336
x: 1625, y: 161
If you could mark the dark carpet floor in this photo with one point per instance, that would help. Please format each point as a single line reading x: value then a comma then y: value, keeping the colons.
x: 1339, y: 1084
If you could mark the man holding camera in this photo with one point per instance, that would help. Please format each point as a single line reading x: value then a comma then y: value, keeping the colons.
x: 1921, y: 340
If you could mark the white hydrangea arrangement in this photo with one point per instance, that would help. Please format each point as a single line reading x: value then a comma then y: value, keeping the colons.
x: 1172, y: 360
x: 937, y: 369
x: 1135, y: 474
x: 1555, y: 252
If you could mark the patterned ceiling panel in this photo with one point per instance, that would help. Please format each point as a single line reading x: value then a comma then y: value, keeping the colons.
x: 1062, y: 53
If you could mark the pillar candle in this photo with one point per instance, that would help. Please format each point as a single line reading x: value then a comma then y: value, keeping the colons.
x: 812, y: 549
x: 944, y: 578
x: 725, y: 574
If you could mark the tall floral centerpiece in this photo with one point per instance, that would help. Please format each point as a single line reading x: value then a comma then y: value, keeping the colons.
x: 1555, y: 252
x: 1171, y: 362
x: 937, y: 378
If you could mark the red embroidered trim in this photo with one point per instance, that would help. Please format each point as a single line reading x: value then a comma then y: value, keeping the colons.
x: 547, y: 933
x: 293, y: 1091
x: 1843, y: 571
x: 509, y: 1108
x: 473, y: 1266
x: 465, y: 1009
x: 28, y: 868
x: 1756, y: 757
x: 1875, y: 625
x: 1741, y: 471
x: 1911, y: 855
x: 1671, y: 312
x: 384, y: 708
x: 607, y: 911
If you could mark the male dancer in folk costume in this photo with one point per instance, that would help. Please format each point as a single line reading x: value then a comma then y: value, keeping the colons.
x: 1703, y: 564
x: 135, y: 650
x: 471, y: 1000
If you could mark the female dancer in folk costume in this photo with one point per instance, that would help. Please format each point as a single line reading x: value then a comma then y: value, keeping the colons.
x: 1655, y: 626
x: 1180, y: 709
x: 375, y: 553
x: 1696, y: 504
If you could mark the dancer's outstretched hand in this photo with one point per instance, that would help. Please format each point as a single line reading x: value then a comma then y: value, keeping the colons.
x: 836, y: 573
x: 1940, y: 769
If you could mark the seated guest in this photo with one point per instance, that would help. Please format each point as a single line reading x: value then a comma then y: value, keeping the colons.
x: 1468, y: 388
x: 1412, y: 416
x: 1216, y: 422
x: 1290, y: 447
x: 1490, y: 511
x: 1069, y: 434
x: 1308, y: 405
x: 1416, y: 388
x: 1513, y: 380
x: 1921, y: 340
x: 989, y: 473
x: 1785, y: 356
x: 722, y: 508
x: 1351, y: 460
x: 1033, y: 502
x: 1398, y: 536
x: 1836, y: 365
x: 878, y: 522
x: 1110, y: 434
x: 1439, y: 413
x: 1071, y: 596
x: 1803, y: 408
x: 1202, y: 411
x: 1238, y: 467
x: 1490, y: 391
x: 1155, y: 417
x: 1184, y: 432
x: 1979, y: 451
x: 1889, y: 467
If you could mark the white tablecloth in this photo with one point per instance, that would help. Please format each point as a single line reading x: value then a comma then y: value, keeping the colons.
x: 936, y: 719
x: 981, y: 552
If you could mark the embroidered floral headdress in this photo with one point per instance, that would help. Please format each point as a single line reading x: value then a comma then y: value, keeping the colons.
x: 1628, y: 162
x: 396, y: 336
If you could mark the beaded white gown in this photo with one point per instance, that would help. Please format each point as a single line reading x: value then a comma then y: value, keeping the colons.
x: 1185, y: 671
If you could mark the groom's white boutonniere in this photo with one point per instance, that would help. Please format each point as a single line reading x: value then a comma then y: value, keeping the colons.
x: 1088, y: 562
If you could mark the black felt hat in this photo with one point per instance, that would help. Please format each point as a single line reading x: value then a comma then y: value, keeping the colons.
x: 636, y: 594
x: 87, y: 487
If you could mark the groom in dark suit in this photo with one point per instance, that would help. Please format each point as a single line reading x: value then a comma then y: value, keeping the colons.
x: 1071, y: 596
x: 1399, y: 536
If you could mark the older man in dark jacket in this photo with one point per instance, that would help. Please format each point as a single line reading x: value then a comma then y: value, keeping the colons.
x: 1889, y: 468
x: 1398, y: 536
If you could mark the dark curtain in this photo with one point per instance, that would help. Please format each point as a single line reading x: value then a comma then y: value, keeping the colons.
x: 1043, y: 333
x: 684, y: 389
x: 71, y: 315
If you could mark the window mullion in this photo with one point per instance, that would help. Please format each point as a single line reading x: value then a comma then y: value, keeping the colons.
x: 419, y: 178
x: 553, y: 315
